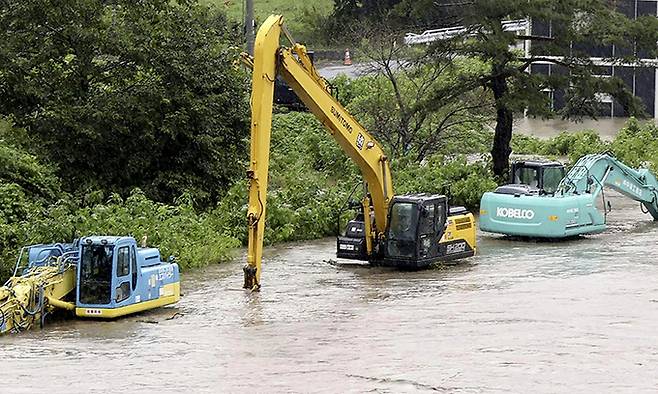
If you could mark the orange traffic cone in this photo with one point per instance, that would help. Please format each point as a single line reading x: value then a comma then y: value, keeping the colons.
x: 347, y: 61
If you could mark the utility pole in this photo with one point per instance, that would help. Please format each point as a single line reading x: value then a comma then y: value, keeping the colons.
x: 249, y: 26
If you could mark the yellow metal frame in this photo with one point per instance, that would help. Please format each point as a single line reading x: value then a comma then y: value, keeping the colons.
x: 22, y: 293
x: 297, y: 69
x: 170, y: 295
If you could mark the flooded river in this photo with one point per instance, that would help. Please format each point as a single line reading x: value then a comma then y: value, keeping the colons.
x: 577, y: 316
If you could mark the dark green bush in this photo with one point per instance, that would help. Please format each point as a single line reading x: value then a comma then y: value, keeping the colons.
x: 464, y: 182
x: 571, y: 145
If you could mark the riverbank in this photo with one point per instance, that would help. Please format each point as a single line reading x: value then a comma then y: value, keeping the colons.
x: 308, y: 185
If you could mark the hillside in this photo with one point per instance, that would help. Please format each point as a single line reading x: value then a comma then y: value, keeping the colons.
x: 293, y: 10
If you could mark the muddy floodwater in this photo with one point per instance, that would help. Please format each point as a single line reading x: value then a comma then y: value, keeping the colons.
x: 525, y: 317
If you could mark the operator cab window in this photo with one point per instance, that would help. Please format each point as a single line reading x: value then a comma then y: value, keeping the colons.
x: 552, y: 178
x: 96, y: 274
x: 402, y: 230
x: 527, y: 176
x: 123, y: 261
x: 427, y: 223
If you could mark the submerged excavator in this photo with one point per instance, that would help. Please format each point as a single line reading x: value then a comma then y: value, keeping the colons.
x: 407, y: 232
x: 100, y: 277
x: 535, y: 205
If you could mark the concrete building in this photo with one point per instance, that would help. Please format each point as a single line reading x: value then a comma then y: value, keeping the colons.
x: 641, y: 79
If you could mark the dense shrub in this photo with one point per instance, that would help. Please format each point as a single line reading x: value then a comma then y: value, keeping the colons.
x: 195, y: 238
x: 124, y: 94
x: 637, y: 145
x: 566, y: 144
x: 463, y: 182
x: 17, y: 167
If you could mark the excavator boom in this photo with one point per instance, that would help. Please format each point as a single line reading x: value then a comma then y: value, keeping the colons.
x: 271, y: 59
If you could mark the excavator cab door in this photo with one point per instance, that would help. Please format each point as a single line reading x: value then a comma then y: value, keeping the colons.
x: 95, y: 276
x: 431, y: 228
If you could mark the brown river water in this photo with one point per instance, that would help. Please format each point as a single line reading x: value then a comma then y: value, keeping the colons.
x: 575, y: 316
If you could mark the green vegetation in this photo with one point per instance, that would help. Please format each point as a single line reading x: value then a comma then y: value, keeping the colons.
x: 301, y: 17
x: 398, y: 106
x: 126, y: 94
x: 636, y: 145
x: 292, y: 10
x: 570, y: 145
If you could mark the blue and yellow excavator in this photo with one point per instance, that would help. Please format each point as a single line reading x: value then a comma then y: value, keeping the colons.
x: 405, y: 231
x: 94, y: 277
x: 535, y: 205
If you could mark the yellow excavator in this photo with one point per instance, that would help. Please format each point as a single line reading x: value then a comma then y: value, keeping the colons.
x: 407, y: 231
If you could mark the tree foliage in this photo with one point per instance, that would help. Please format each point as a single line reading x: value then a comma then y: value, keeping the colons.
x: 397, y: 101
x: 125, y: 94
x: 577, y: 26
x: 21, y: 173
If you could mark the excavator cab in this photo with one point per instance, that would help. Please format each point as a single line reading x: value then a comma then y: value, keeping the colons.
x: 533, y: 178
x: 415, y: 227
x: 421, y: 229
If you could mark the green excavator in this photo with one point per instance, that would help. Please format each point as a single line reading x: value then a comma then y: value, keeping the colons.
x: 536, y: 205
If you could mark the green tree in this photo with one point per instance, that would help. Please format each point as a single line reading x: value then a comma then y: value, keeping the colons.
x: 21, y: 173
x: 123, y: 94
x: 577, y: 25
x: 397, y: 101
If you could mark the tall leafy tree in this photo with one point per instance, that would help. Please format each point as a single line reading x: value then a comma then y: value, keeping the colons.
x: 122, y: 94
x: 579, y: 28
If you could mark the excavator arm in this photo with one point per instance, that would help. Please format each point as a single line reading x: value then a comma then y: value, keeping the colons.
x: 25, y: 300
x: 592, y: 172
x: 271, y: 59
